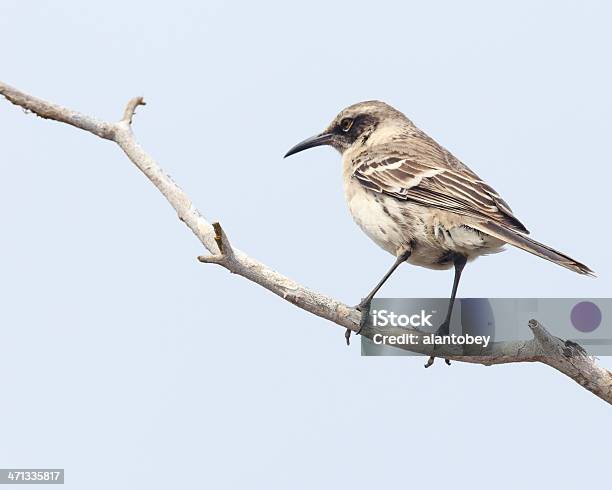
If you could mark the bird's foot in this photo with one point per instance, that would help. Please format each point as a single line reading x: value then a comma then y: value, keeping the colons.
x: 441, y: 332
x: 364, y: 308
x: 431, y: 360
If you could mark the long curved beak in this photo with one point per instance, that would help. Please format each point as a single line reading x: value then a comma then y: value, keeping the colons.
x: 318, y: 140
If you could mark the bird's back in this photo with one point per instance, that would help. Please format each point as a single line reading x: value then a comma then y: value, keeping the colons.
x: 408, y: 165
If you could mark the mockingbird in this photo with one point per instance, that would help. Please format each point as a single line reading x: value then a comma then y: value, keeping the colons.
x: 417, y: 201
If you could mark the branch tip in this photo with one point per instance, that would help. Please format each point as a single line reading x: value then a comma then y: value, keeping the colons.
x: 211, y: 259
x: 130, y: 109
x: 541, y: 335
x: 218, y: 235
x: 221, y: 240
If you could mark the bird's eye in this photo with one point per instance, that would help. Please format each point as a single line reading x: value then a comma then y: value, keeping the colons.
x: 346, y: 124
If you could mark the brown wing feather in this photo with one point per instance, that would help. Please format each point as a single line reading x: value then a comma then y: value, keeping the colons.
x: 431, y: 176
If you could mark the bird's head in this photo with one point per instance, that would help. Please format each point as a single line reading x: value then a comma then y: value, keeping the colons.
x: 357, y: 125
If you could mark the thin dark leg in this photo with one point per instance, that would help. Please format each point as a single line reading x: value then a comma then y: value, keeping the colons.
x: 459, y: 261
x: 364, y: 306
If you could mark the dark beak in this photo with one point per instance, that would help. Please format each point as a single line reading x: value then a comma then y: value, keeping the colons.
x: 318, y: 140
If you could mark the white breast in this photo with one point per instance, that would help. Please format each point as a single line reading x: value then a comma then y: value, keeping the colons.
x: 377, y: 216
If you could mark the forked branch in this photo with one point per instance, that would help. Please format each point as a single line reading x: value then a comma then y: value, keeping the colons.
x: 564, y: 356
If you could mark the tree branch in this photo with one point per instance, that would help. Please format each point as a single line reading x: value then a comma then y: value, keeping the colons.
x: 565, y: 356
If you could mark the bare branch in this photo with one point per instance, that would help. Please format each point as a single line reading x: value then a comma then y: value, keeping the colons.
x: 567, y: 357
x: 48, y: 110
x: 130, y: 109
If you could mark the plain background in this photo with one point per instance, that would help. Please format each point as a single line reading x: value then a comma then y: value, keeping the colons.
x: 130, y: 365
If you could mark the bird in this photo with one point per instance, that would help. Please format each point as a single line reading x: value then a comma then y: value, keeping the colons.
x: 419, y: 202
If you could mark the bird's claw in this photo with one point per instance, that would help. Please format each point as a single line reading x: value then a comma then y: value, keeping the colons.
x: 364, y: 308
x: 441, y: 332
x: 431, y: 360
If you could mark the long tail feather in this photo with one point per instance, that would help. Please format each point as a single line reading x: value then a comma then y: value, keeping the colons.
x: 530, y: 245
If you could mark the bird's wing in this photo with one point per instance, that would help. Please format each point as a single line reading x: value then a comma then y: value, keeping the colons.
x: 436, y: 179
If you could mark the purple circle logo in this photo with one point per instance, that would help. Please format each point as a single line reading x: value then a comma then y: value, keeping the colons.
x: 585, y: 316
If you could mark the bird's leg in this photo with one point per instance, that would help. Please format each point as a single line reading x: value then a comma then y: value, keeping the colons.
x: 364, y: 306
x: 459, y: 261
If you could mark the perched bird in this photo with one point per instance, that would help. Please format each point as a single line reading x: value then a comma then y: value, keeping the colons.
x: 417, y: 201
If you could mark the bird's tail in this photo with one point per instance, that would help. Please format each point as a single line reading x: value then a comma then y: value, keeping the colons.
x: 521, y: 241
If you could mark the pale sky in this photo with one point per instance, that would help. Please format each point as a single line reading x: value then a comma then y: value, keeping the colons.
x: 130, y: 365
